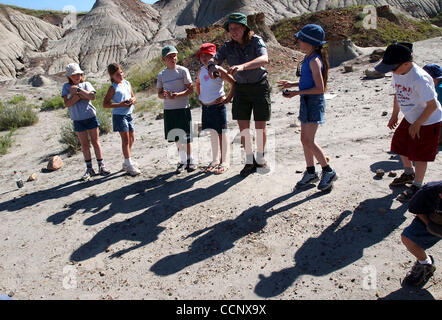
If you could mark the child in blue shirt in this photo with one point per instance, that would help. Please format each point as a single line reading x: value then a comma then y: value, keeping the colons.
x: 312, y: 86
x: 121, y: 98
x: 77, y: 95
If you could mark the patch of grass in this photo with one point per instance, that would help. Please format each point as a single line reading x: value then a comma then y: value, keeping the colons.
x: 17, y: 116
x: 6, y: 142
x: 437, y: 20
x: 150, y: 105
x: 53, y: 103
x: 69, y: 139
x: 17, y: 99
x: 144, y: 75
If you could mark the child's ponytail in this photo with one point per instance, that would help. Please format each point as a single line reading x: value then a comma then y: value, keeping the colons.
x: 323, y: 53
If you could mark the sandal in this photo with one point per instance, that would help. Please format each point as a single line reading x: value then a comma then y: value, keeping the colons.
x: 221, y: 168
x: 211, y: 167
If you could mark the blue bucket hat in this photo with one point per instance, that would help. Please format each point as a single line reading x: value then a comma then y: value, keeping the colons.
x: 434, y: 70
x: 313, y: 34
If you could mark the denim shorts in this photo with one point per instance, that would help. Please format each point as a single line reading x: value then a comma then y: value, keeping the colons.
x: 123, y: 123
x: 214, y: 117
x: 312, y: 109
x: 84, y: 125
x: 417, y: 232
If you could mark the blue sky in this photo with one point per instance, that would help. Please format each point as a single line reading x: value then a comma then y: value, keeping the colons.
x: 81, y: 5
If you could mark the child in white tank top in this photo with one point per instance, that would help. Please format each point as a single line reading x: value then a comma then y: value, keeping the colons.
x: 214, y: 116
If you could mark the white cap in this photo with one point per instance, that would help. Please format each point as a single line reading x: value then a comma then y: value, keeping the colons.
x: 73, y: 68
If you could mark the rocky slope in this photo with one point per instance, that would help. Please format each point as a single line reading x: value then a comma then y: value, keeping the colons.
x: 21, y: 35
x: 131, y: 31
x: 205, y: 12
x: 111, y: 31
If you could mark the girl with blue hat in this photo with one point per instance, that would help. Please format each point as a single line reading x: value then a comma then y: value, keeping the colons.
x: 312, y: 86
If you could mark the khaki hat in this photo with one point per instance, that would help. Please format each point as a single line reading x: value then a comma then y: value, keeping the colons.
x: 73, y: 68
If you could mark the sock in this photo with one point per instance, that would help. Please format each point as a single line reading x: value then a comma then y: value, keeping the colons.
x: 311, y: 170
x: 89, y: 164
x: 250, y: 158
x: 100, y: 162
x: 417, y: 184
x: 183, y: 157
x: 190, y: 160
x: 426, y: 261
x: 128, y: 161
x: 408, y: 171
x: 327, y: 169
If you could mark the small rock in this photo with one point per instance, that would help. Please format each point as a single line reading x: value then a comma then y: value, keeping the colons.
x: 55, y: 163
x: 32, y: 177
x: 348, y: 68
x: 160, y: 116
x: 380, y: 173
x: 373, y: 74
x: 392, y: 174
x: 102, y: 274
x: 384, y: 114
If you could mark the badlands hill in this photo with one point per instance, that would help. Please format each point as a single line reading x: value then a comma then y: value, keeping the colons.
x: 130, y: 31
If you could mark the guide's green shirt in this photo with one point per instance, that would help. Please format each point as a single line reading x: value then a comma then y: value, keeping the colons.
x: 237, y: 54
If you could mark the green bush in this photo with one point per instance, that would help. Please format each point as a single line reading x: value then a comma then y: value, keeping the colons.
x: 69, y: 139
x: 105, y: 120
x: 6, y: 142
x: 17, y: 116
x: 53, y: 103
x: 17, y: 99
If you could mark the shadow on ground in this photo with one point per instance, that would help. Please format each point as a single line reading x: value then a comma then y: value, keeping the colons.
x: 338, y: 246
x: 159, y: 198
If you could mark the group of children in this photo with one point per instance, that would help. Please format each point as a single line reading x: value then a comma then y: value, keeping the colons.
x: 416, y: 138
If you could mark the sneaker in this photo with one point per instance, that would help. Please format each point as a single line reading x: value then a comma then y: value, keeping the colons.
x: 126, y: 166
x: 408, y: 194
x: 88, y: 174
x: 247, y: 170
x: 327, y: 179
x: 261, y: 165
x: 103, y: 171
x: 403, y: 180
x: 307, y: 178
x: 190, y: 166
x: 420, y: 274
x: 133, y: 170
x: 180, y: 168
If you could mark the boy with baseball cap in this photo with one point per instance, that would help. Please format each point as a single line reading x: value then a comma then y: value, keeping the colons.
x: 416, y: 138
x: 424, y: 232
x: 174, y: 86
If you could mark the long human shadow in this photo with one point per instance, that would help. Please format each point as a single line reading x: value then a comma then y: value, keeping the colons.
x: 63, y: 190
x: 116, y: 199
x: 144, y: 228
x: 337, y: 247
x: 222, y: 236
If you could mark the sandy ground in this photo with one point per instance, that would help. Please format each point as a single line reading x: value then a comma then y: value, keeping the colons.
x: 197, y: 236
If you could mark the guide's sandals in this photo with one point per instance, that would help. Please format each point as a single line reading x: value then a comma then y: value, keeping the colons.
x: 211, y: 167
x: 221, y: 168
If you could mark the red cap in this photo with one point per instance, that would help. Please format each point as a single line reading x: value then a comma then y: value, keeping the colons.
x: 208, y: 48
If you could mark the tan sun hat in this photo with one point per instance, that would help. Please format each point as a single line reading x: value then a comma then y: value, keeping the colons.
x: 73, y: 68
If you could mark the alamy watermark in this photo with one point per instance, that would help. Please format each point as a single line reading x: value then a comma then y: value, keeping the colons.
x: 370, y: 279
x: 70, y: 21
x: 371, y: 18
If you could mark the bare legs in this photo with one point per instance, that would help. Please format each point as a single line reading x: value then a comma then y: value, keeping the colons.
x: 311, y: 149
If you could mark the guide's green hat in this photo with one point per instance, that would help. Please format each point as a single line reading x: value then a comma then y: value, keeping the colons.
x: 168, y: 50
x: 236, y: 18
